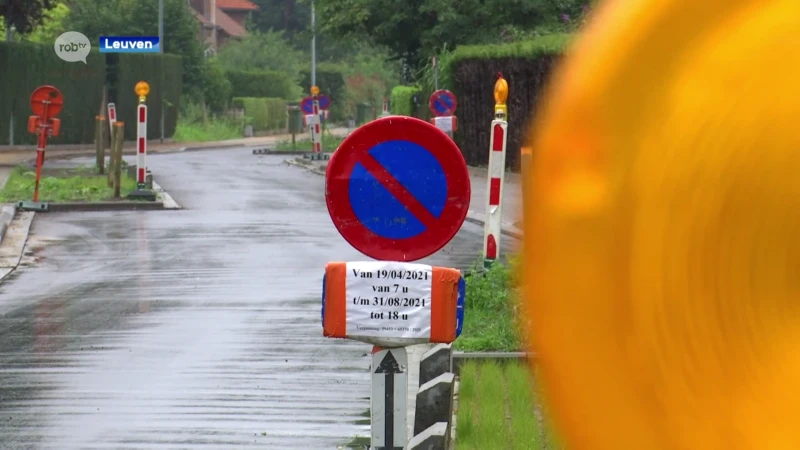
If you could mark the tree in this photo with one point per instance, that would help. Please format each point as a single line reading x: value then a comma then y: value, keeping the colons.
x: 413, y: 30
x: 24, y: 15
x: 263, y: 51
x: 96, y: 18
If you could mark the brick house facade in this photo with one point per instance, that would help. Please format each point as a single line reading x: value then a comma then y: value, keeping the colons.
x: 229, y: 17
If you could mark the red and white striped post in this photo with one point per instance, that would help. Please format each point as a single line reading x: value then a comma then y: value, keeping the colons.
x: 497, y: 168
x: 385, y: 111
x: 112, y: 117
x: 141, y: 145
x: 316, y: 131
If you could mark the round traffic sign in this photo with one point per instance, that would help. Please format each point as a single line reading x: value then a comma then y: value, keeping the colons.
x: 307, y: 105
x: 397, y: 189
x: 324, y: 102
x: 442, y: 103
x: 46, y: 102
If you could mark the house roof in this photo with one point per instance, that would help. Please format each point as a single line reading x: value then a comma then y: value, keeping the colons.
x: 228, y: 25
x: 238, y: 5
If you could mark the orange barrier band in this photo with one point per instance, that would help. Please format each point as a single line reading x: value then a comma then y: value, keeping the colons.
x: 444, y: 301
x: 335, y: 319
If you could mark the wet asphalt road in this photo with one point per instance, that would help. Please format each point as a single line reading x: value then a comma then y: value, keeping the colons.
x: 197, y: 328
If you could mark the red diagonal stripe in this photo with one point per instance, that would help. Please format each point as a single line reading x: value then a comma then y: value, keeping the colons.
x: 399, y: 191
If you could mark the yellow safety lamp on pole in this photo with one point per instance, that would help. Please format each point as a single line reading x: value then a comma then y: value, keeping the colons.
x: 315, y: 90
x: 500, y: 97
x: 142, y: 89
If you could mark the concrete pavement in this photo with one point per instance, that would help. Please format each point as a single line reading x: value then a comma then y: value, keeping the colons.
x: 197, y: 328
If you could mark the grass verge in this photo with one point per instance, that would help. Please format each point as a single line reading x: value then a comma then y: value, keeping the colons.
x: 62, y: 185
x: 490, y: 311
x: 498, y: 408
x: 329, y: 144
x: 213, y: 130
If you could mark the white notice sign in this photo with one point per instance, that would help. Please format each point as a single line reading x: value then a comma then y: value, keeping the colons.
x: 388, y: 299
x: 444, y: 123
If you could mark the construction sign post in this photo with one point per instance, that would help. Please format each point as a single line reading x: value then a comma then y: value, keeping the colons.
x: 313, y: 120
x: 497, y: 169
x: 397, y: 190
x: 46, y: 103
x: 141, y: 192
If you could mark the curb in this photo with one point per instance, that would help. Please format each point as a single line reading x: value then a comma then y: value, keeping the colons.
x: 500, y: 357
x: 7, y: 213
x: 166, y: 199
x: 104, y: 206
x: 310, y: 166
x: 316, y: 168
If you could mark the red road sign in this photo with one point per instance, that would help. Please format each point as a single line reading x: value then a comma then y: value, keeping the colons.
x: 46, y: 102
x: 397, y: 189
x: 442, y: 103
x: 324, y: 102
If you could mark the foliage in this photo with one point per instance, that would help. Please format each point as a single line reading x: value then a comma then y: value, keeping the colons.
x: 500, y: 408
x: 96, y: 18
x: 81, y: 184
x: 330, y: 79
x: 193, y: 128
x: 265, y: 114
x: 25, y: 15
x: 471, y: 71
x: 260, y: 83
x: 288, y: 16
x: 26, y: 66
x: 402, y: 100
x: 490, y: 309
x: 217, y: 89
x: 415, y: 29
x: 45, y: 33
x: 163, y: 74
x: 267, y: 51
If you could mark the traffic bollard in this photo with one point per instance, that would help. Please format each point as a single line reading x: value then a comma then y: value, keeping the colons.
x: 497, y: 168
x: 142, y: 191
x: 100, y: 143
x: 116, y: 155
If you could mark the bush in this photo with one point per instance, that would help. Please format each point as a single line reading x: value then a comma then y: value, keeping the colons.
x: 402, y: 100
x: 164, y: 74
x: 217, y: 90
x: 24, y: 67
x: 331, y: 83
x: 262, y: 83
x: 266, y: 114
x: 471, y: 71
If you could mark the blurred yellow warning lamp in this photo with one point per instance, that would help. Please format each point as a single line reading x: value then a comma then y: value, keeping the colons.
x: 142, y: 89
x: 314, y: 90
x: 661, y: 256
x: 500, y: 95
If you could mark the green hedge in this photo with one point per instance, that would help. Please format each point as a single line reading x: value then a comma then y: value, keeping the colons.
x: 24, y: 67
x: 266, y: 114
x: 258, y: 83
x: 332, y: 84
x: 402, y: 100
x: 163, y: 73
x: 471, y: 72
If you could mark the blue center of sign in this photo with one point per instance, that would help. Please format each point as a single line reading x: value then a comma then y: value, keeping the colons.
x: 443, y: 103
x: 416, y: 169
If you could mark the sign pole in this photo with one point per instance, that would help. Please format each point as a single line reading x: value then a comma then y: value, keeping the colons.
x: 389, y: 399
x: 141, y: 192
x: 46, y: 103
x: 497, y: 169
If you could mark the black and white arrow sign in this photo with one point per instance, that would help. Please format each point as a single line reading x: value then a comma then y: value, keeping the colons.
x: 389, y: 398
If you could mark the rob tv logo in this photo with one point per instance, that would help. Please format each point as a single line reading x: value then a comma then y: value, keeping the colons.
x: 129, y: 44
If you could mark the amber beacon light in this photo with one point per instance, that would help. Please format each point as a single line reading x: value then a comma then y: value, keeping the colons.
x: 662, y: 255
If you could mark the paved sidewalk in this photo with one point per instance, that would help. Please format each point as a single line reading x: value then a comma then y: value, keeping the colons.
x: 512, y: 195
x: 12, y: 156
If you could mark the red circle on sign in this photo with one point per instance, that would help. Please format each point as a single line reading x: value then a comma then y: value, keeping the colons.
x: 356, y: 147
x: 46, y: 102
x: 439, y: 96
